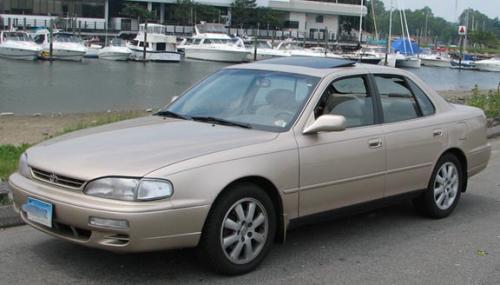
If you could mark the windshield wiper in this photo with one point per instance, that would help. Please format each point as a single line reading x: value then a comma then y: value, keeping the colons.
x: 220, y: 122
x: 171, y: 114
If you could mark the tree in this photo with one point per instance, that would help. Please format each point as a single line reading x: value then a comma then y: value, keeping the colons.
x: 243, y: 12
x: 187, y: 12
x: 136, y: 11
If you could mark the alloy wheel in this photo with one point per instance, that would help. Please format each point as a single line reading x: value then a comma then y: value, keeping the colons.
x: 446, y: 185
x: 244, y: 231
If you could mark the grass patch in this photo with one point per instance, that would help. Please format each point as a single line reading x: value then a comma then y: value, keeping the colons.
x: 101, y: 119
x: 489, y: 101
x: 9, y: 156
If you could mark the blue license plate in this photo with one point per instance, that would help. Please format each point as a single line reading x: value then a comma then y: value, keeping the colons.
x: 38, y: 211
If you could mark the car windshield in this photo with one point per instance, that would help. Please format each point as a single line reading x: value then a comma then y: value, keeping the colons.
x: 265, y: 100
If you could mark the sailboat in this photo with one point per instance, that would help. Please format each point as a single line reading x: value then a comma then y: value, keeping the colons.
x: 405, y: 44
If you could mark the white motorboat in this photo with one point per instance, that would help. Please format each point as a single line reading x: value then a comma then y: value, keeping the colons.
x: 492, y: 64
x: 93, y: 46
x: 409, y: 61
x: 18, y: 45
x: 265, y: 50
x: 65, y: 46
x: 294, y: 49
x: 435, y: 60
x: 117, y: 50
x: 210, y: 42
x: 159, y: 46
x: 365, y: 55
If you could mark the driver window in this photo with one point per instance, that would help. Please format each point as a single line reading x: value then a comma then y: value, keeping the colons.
x: 350, y: 98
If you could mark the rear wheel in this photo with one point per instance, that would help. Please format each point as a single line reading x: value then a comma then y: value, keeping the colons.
x: 239, y: 230
x: 444, y: 189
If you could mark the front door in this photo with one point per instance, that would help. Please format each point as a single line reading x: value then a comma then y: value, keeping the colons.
x: 342, y: 168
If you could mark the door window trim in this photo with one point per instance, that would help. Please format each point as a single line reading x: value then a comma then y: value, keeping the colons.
x: 412, y: 92
x: 369, y: 85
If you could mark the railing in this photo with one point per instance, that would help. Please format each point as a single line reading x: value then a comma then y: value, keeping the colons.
x: 97, y: 26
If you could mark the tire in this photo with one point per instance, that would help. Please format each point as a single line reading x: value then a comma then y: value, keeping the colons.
x: 232, y: 241
x: 443, y: 192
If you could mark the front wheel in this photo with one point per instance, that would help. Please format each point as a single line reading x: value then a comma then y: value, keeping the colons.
x: 239, y: 230
x: 444, y: 189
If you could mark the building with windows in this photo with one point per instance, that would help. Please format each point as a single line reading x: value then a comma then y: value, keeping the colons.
x: 301, y: 15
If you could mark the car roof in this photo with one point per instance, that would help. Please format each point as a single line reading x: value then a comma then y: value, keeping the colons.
x: 316, y: 66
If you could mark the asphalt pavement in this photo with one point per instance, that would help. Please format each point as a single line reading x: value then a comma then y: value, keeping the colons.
x: 388, y: 246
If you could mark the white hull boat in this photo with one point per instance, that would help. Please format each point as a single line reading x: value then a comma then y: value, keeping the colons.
x: 435, y: 60
x: 492, y: 64
x: 408, y: 61
x: 117, y: 53
x: 159, y: 46
x: 92, y: 51
x: 210, y: 42
x: 65, y: 46
x: 18, y: 45
x: 265, y: 50
x: 221, y: 54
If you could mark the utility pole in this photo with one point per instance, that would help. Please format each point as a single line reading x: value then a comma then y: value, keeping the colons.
x: 374, y: 19
x: 145, y: 40
x: 361, y: 22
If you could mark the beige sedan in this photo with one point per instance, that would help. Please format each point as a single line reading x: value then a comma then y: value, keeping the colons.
x: 249, y: 152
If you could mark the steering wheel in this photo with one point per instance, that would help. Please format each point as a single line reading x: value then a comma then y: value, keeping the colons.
x: 283, y: 115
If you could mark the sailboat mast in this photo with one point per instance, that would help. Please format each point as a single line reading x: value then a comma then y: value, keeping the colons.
x: 402, y: 28
x: 408, y: 32
x: 360, y: 21
x: 388, y: 47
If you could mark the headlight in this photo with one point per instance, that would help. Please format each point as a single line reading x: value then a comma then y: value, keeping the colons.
x: 129, y: 189
x: 23, y: 167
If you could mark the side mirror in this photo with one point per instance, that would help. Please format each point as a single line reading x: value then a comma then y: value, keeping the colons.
x: 173, y: 99
x: 326, y: 123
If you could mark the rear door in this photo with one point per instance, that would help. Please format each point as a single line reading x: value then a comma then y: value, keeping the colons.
x: 414, y: 138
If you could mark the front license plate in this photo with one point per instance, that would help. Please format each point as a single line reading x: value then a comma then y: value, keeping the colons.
x: 38, y: 211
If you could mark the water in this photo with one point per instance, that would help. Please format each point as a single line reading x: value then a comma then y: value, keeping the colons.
x: 92, y: 86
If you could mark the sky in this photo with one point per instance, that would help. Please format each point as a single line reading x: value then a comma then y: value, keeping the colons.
x: 446, y: 8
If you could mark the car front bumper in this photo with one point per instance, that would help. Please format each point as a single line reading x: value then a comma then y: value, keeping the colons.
x: 152, y: 226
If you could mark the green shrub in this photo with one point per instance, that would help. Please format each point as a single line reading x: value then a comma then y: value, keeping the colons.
x: 489, y: 102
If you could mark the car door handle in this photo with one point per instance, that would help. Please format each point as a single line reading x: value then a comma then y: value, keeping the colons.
x: 375, y: 143
x: 437, y: 133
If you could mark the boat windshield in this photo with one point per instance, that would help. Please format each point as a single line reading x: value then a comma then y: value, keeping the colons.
x: 216, y: 41
x: 66, y: 38
x: 117, y: 42
x: 259, y: 99
x: 16, y: 36
x: 291, y: 46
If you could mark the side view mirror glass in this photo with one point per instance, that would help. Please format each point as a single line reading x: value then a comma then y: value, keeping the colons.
x: 326, y: 123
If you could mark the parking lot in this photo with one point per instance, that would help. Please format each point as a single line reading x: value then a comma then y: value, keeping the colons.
x: 388, y: 246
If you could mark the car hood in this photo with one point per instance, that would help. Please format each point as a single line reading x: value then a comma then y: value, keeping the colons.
x: 137, y: 147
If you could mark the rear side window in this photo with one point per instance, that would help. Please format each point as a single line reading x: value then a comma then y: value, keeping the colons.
x: 425, y: 104
x: 398, y: 102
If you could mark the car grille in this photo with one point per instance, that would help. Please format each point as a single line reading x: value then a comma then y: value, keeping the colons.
x: 56, y: 179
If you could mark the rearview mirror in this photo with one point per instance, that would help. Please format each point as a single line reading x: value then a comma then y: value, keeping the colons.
x: 326, y: 123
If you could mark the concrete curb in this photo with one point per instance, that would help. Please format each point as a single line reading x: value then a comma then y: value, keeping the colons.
x: 9, y: 217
